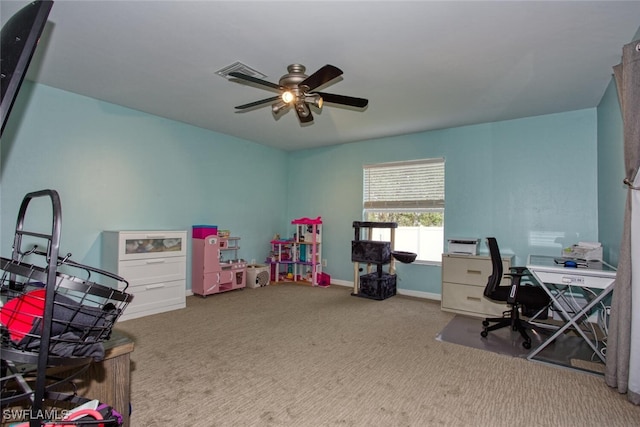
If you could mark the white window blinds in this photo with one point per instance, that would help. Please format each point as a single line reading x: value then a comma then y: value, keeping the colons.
x: 404, y: 186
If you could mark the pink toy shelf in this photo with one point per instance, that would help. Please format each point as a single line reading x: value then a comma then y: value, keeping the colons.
x: 299, y: 259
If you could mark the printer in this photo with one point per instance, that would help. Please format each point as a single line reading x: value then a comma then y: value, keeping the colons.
x: 463, y: 246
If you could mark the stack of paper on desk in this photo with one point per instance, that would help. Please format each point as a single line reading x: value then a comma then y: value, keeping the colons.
x: 584, y: 250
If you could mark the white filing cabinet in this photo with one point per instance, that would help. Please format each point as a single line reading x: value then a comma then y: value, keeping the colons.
x: 154, y: 263
x: 464, y: 278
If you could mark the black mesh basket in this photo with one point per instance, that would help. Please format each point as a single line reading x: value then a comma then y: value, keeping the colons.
x: 82, y: 317
x: 54, y: 318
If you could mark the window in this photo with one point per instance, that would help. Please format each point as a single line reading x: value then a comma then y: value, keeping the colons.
x: 411, y: 194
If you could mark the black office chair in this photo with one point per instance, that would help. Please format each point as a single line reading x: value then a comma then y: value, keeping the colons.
x: 521, y: 296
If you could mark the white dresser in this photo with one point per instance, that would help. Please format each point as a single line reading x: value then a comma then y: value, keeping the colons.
x: 464, y: 278
x: 154, y: 263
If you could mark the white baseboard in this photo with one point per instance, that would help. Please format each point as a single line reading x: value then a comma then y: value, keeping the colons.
x: 399, y: 291
x: 419, y: 294
x: 344, y: 283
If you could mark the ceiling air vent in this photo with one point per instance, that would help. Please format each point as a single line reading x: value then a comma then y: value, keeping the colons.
x: 241, y: 68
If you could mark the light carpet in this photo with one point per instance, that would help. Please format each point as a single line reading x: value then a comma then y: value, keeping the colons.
x: 290, y: 355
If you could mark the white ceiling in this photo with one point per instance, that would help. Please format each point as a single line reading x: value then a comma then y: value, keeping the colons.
x: 423, y: 65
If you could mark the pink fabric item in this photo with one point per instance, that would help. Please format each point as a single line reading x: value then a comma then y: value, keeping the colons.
x: 19, y: 314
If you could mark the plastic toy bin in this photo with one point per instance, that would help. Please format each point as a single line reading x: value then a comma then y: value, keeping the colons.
x: 202, y: 231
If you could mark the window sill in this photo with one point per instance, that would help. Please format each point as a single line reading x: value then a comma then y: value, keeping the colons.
x: 429, y: 263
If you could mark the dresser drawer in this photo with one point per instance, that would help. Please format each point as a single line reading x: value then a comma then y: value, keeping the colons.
x: 144, y: 271
x: 469, y: 299
x: 464, y: 278
x: 147, y: 244
x: 155, y: 298
x: 470, y: 270
x: 154, y: 263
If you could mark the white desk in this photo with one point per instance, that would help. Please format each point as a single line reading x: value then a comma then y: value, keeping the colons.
x: 556, y: 279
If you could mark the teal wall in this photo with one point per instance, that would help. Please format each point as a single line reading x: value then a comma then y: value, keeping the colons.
x: 117, y: 168
x: 531, y: 183
x: 611, y: 192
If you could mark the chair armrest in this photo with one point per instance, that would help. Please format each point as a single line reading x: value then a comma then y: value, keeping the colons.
x: 516, y: 282
x: 526, y: 276
x: 521, y: 271
x: 513, y: 292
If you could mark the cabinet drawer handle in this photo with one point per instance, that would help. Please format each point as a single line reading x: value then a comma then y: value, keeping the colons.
x: 155, y: 236
x: 474, y: 272
x: 473, y: 299
x: 156, y: 261
x: 156, y: 286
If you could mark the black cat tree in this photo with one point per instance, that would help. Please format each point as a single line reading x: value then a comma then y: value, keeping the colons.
x: 378, y: 284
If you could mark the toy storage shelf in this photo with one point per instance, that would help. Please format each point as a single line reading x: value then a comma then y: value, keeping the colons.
x: 298, y: 260
x: 229, y: 245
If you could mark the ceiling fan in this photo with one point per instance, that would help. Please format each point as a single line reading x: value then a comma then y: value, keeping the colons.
x: 297, y: 90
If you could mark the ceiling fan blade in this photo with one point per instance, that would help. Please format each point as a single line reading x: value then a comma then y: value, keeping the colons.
x: 304, y: 119
x: 255, y: 80
x: 344, y: 100
x: 256, y: 103
x: 320, y: 77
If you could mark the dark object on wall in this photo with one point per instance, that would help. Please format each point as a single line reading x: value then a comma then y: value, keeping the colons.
x: 19, y: 39
x: 377, y: 286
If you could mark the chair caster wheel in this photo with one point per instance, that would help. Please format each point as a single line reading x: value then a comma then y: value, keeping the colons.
x: 526, y: 345
x: 485, y: 323
x: 484, y: 334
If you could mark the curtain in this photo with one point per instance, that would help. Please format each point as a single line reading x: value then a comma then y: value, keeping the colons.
x: 623, y: 345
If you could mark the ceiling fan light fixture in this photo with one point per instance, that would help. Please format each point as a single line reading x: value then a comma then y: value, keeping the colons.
x: 288, y: 96
x: 279, y: 106
x: 315, y: 100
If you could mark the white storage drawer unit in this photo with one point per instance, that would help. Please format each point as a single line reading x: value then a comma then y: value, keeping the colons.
x: 464, y: 278
x: 154, y: 263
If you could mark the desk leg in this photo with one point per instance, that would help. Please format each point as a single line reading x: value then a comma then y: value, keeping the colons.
x: 572, y: 322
